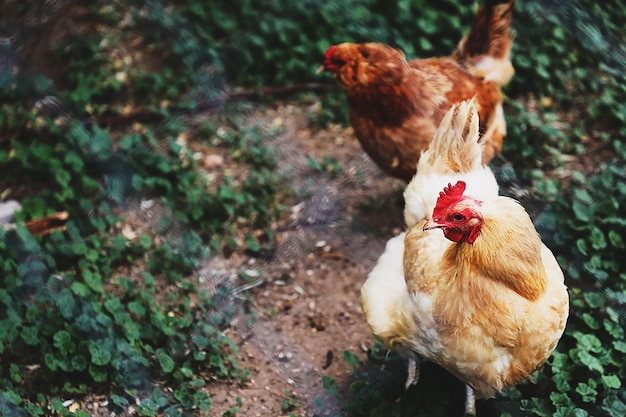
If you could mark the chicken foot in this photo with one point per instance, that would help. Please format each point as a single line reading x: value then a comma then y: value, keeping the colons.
x: 470, y: 402
x: 413, y: 372
x: 413, y: 376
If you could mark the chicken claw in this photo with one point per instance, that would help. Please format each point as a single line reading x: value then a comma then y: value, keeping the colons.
x: 470, y: 402
x: 413, y: 373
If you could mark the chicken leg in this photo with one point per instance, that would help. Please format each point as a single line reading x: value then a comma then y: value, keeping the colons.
x: 413, y: 372
x: 470, y: 402
x: 413, y: 376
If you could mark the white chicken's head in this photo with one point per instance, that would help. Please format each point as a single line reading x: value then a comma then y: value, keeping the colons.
x: 457, y: 215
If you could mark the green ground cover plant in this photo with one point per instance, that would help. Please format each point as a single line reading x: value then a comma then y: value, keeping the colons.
x: 67, y: 142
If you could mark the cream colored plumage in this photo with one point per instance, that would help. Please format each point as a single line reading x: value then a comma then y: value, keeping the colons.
x: 488, y: 302
x: 500, y: 303
x: 454, y: 154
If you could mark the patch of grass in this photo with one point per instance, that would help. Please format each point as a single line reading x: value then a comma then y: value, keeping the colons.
x: 69, y: 297
x: 289, y: 402
x: 588, y: 367
x: 328, y: 164
x: 107, y: 305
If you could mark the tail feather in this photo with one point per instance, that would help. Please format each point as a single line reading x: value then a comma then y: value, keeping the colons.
x: 491, y: 32
x: 486, y: 47
x: 455, y: 153
x: 446, y: 154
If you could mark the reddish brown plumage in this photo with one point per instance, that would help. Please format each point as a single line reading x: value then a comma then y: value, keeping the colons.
x: 395, y: 106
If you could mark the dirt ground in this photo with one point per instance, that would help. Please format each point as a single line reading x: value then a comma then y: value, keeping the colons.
x: 306, y: 307
x: 298, y: 309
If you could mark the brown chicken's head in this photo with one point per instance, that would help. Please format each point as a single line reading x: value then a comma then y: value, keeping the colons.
x: 458, y: 215
x: 364, y: 63
x: 331, y: 64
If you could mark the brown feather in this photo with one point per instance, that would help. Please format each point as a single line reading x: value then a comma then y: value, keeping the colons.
x: 395, y: 106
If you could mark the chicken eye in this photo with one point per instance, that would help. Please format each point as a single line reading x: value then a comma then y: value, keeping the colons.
x: 458, y: 217
x: 338, y: 62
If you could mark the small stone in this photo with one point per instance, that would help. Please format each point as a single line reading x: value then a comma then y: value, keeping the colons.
x: 213, y: 161
x: 7, y: 209
x: 146, y: 204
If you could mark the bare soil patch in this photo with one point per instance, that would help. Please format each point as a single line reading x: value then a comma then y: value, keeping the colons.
x: 307, y: 309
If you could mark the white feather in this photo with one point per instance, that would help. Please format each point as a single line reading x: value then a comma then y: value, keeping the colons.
x: 455, y: 153
x: 385, y: 286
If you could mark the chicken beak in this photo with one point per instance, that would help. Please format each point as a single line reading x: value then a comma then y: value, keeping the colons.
x: 320, y: 69
x: 431, y: 224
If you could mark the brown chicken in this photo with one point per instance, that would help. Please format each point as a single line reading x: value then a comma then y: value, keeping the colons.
x: 486, y: 298
x: 395, y: 106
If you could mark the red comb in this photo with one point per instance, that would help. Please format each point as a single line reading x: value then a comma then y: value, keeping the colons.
x: 329, y: 52
x: 450, y: 195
